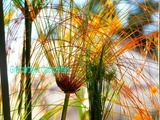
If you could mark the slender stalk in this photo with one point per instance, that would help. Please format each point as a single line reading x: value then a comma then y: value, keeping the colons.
x: 28, y: 26
x: 3, y: 68
x: 65, y: 106
x: 20, y: 96
x: 70, y: 34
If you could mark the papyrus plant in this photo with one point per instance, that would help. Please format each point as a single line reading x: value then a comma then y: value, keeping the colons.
x: 92, y: 42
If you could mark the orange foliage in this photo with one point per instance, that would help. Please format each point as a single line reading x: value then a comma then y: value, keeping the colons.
x: 153, y: 90
x: 142, y: 115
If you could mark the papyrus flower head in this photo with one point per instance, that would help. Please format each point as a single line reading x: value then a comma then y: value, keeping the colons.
x: 68, y: 83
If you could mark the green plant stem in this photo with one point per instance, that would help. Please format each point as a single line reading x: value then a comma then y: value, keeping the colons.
x: 20, y: 96
x: 28, y: 26
x: 3, y: 69
x: 65, y: 106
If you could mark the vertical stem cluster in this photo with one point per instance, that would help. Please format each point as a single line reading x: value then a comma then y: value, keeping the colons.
x: 94, y: 76
x: 3, y: 68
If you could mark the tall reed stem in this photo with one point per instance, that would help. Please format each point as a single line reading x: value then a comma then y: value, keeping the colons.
x: 65, y: 106
x: 3, y: 68
x: 28, y: 26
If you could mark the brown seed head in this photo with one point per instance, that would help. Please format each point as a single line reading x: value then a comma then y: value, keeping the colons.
x: 68, y: 83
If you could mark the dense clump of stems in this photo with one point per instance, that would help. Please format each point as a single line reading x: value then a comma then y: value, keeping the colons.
x: 98, y: 86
